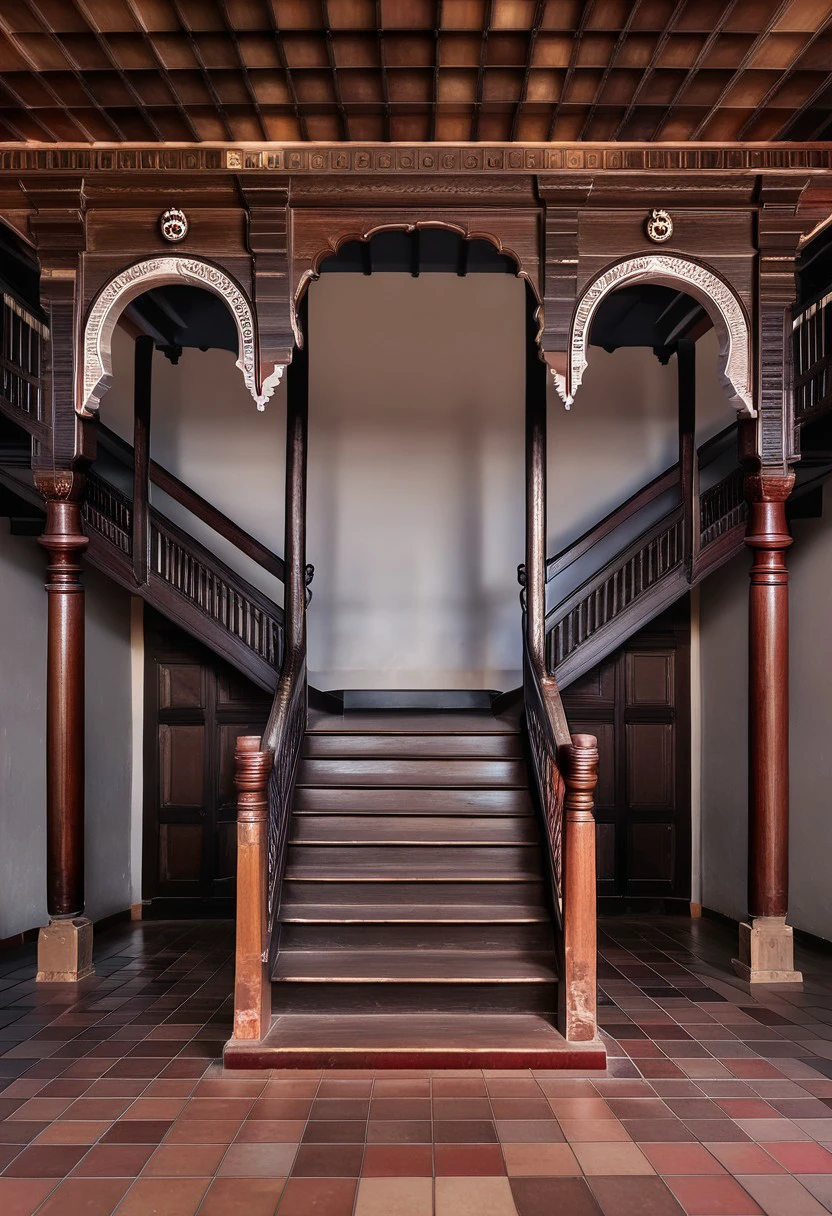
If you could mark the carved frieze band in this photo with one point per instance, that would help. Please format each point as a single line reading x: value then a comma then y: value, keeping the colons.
x: 419, y: 158
x: 98, y: 331
x: 713, y: 293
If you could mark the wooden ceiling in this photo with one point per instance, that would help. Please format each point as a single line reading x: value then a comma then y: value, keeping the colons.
x: 155, y: 71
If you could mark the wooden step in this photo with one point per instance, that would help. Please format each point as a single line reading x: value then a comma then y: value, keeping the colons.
x: 312, y: 888
x: 434, y: 913
x: 324, y: 800
x: 400, y: 980
x: 413, y: 829
x: 373, y: 932
x: 422, y: 746
x: 414, y: 1040
x: 412, y: 773
x: 460, y: 863
x: 415, y: 723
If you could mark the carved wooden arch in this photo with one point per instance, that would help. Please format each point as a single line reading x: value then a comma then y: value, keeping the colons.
x: 466, y: 231
x: 106, y: 308
x: 718, y: 299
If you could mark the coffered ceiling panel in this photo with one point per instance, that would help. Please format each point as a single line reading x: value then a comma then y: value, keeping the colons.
x: 196, y: 70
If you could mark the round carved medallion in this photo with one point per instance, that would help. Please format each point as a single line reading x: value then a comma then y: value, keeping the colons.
x: 174, y: 224
x: 659, y: 226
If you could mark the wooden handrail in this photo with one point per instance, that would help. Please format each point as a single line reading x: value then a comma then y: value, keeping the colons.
x: 198, y: 506
x: 642, y: 498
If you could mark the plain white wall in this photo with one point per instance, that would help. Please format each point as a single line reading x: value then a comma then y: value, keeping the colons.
x: 724, y: 675
x: 23, y: 740
x: 415, y: 467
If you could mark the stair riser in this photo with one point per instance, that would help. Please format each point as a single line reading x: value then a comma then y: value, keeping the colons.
x: 306, y: 997
x: 329, y: 936
x: 412, y: 829
x: 478, y: 802
x: 454, y: 747
x: 414, y: 861
x: 412, y: 773
x: 394, y: 892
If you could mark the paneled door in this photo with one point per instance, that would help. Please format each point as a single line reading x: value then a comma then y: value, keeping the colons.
x: 637, y: 702
x: 195, y: 707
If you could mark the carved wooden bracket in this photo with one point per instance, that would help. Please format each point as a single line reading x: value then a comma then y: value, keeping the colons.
x: 268, y: 242
x: 719, y: 300
x: 563, y: 202
x: 97, y: 372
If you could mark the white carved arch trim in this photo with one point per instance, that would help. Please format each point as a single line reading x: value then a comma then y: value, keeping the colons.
x: 713, y: 293
x: 97, y: 373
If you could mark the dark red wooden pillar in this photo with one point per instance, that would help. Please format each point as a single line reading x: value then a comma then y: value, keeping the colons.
x: 65, y: 945
x: 766, y: 942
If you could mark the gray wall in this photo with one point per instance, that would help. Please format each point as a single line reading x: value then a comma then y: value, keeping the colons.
x: 415, y: 467
x: 724, y: 674
x: 22, y: 740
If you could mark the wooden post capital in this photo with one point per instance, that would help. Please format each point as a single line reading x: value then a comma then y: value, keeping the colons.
x: 251, y: 778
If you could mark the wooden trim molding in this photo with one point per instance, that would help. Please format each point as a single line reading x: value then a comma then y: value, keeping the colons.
x: 97, y: 371
x: 716, y: 296
x: 423, y: 159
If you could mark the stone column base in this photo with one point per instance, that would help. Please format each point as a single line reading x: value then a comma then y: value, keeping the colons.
x: 65, y: 951
x: 766, y: 952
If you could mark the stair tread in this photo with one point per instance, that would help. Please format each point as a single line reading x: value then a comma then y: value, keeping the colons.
x: 425, y: 801
x: 417, y: 1031
x: 407, y: 829
x: 422, y: 966
x: 411, y: 774
x: 328, y: 745
x: 324, y: 913
x: 401, y: 722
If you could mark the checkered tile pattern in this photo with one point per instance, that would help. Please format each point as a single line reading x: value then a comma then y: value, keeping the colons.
x: 716, y: 1101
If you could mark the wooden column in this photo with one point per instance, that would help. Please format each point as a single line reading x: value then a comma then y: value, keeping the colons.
x: 535, y: 574
x: 688, y: 464
x: 766, y: 943
x: 142, y: 396
x: 578, y: 990
x: 296, y: 573
x: 252, y: 990
x: 65, y: 945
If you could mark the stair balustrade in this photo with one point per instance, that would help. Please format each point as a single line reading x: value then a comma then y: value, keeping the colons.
x: 21, y: 342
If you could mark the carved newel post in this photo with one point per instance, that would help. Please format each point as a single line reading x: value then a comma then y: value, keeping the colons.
x: 766, y: 946
x: 578, y: 991
x: 65, y: 944
x: 252, y: 991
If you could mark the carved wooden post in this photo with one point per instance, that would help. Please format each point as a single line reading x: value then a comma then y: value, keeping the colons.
x: 578, y: 989
x: 65, y: 944
x: 766, y: 942
x: 688, y: 465
x: 252, y: 990
x: 142, y: 396
x: 536, y: 373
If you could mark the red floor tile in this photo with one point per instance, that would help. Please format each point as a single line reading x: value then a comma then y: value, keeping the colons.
x: 713, y: 1197
x: 801, y: 1157
x: 21, y: 1196
x: 321, y: 1196
x: 243, y: 1197
x: 468, y: 1160
x: 398, y: 1161
x: 85, y: 1197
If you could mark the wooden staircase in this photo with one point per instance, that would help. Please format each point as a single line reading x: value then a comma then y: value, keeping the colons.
x: 414, y: 880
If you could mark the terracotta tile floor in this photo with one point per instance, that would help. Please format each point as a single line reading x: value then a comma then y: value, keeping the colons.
x: 716, y: 1102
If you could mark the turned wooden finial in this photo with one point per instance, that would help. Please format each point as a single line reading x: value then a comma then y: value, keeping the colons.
x: 581, y: 774
x: 251, y: 778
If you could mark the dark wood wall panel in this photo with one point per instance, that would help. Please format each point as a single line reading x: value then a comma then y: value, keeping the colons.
x: 195, y: 708
x: 637, y: 703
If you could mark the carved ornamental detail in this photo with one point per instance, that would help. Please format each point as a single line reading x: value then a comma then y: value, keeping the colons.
x: 110, y: 303
x: 174, y: 224
x: 719, y: 300
x: 659, y: 225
